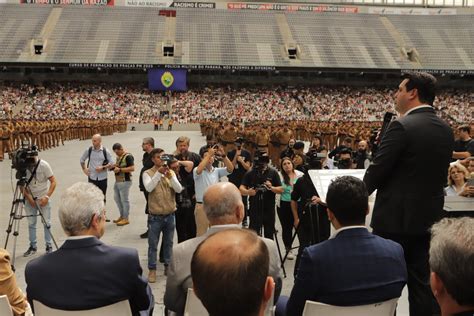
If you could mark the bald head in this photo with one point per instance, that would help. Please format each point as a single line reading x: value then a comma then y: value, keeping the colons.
x: 230, y: 273
x: 223, y: 205
x: 363, y: 145
x: 96, y: 140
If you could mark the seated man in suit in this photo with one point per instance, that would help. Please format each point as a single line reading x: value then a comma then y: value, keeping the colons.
x: 230, y: 273
x: 353, y: 267
x: 223, y: 206
x: 84, y: 273
x: 452, y: 265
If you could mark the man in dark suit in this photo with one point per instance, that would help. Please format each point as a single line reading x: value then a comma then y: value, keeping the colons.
x: 409, y: 173
x: 353, y: 267
x: 85, y: 273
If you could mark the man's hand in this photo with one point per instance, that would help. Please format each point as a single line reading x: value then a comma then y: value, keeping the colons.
x: 467, y: 191
x: 117, y: 170
x: 315, y: 199
x: 252, y: 192
x: 240, y: 159
x: 86, y: 171
x: 268, y: 184
x: 296, y: 222
x: 99, y: 168
x: 43, y: 201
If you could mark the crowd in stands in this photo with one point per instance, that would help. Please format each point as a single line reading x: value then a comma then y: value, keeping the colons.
x: 137, y: 104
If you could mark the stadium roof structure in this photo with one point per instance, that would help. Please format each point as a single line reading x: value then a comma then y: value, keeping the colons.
x: 144, y: 37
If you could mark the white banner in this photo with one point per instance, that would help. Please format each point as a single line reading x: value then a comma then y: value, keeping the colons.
x: 148, y: 3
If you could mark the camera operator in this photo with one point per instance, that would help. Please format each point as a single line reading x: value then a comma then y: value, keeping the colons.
x: 241, y: 160
x: 345, y: 159
x: 310, y: 218
x: 346, y: 144
x: 262, y: 183
x: 37, y: 194
x: 362, y: 156
x: 316, y: 143
x: 204, y: 176
x: 288, y: 152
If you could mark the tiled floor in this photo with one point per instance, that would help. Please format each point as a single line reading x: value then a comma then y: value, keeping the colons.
x: 64, y: 161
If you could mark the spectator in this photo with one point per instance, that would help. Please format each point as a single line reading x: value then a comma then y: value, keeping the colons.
x: 452, y: 265
x: 365, y: 268
x: 85, y: 273
x: 224, y: 210
x: 458, y: 176
x: 464, y: 146
x: 288, y: 176
x: 230, y: 274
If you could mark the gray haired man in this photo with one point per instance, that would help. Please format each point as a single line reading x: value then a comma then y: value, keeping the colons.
x: 452, y: 265
x: 84, y: 273
x: 224, y: 209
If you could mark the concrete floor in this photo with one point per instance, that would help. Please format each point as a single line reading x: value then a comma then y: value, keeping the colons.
x: 64, y: 161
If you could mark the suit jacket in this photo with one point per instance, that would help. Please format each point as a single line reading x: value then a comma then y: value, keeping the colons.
x: 354, y: 268
x: 179, y: 274
x: 86, y: 274
x: 409, y: 173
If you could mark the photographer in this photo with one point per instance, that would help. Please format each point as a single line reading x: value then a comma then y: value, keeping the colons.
x: 98, y: 162
x: 310, y: 218
x: 204, y: 176
x: 362, y: 156
x: 184, y: 205
x: 37, y: 193
x: 261, y: 184
x: 288, y: 152
x: 188, y: 160
x: 345, y: 159
x: 162, y: 185
x: 241, y: 160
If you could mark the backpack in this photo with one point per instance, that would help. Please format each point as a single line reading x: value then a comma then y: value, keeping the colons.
x: 106, y: 161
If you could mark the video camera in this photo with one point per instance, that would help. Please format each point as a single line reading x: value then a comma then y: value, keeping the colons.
x: 315, y: 160
x: 261, y: 158
x: 23, y: 158
x: 167, y: 159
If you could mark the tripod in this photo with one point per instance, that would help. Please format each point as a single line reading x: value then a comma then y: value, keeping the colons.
x: 308, y: 208
x: 260, y: 208
x: 16, y: 214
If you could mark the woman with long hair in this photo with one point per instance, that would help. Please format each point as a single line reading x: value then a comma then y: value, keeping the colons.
x: 288, y: 175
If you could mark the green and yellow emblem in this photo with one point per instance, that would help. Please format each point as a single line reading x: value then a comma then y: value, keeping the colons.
x: 167, y: 79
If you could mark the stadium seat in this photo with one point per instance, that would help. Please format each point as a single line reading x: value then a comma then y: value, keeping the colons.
x: 5, y: 308
x: 194, y: 306
x: 386, y: 308
x: 121, y: 308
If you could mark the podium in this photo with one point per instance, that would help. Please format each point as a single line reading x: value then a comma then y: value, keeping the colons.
x: 459, y: 206
x: 322, y: 178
